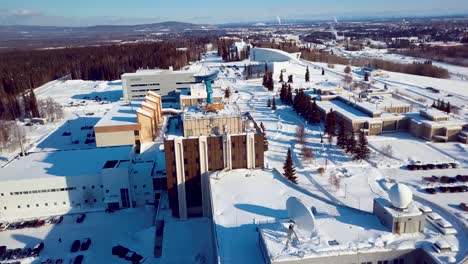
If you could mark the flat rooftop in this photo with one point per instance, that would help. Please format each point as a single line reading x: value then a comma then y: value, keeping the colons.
x: 146, y: 72
x: 193, y: 112
x: 120, y: 114
x: 67, y: 163
x: 344, y: 109
x: 199, y: 91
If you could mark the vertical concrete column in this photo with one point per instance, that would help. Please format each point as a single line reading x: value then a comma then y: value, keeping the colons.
x: 227, y: 151
x: 250, y: 150
x: 180, y: 172
x: 204, y: 174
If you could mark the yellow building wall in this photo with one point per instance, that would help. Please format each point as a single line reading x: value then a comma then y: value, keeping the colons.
x: 111, y: 139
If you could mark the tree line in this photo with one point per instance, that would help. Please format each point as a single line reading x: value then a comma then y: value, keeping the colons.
x: 22, y: 71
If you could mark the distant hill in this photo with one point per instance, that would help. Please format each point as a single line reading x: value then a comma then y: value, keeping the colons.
x: 169, y: 26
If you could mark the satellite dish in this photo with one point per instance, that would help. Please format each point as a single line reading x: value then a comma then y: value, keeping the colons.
x: 300, y: 214
x: 400, y: 195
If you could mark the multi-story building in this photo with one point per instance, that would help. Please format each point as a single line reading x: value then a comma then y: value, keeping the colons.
x: 199, y: 142
x: 166, y: 83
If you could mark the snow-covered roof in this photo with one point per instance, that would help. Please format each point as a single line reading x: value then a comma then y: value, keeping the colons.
x: 71, y: 163
x: 199, y: 91
x: 120, y: 114
x: 146, y: 72
x: 344, y: 109
x: 230, y: 110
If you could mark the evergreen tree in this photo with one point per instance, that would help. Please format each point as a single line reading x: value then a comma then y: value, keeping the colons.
x: 290, y: 79
x: 266, y: 67
x: 330, y: 125
x: 289, y: 98
x: 314, y: 113
x: 227, y: 93
x: 341, y: 137
x: 33, y: 104
x: 281, y: 80
x: 273, y: 104
x: 288, y: 167
x: 269, y: 102
x: 264, y: 80
x: 307, y: 75
x: 323, y: 71
x: 283, y: 93
x: 362, y: 150
x: 434, y: 105
x: 448, y: 108
x: 366, y: 76
x: 350, y: 144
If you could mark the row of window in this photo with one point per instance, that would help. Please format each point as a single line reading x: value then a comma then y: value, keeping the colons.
x: 395, y: 261
x: 145, y: 84
x: 144, y: 90
x: 42, y: 191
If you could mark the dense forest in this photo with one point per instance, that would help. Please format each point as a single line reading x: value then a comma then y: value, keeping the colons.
x: 21, y: 71
x: 452, y: 54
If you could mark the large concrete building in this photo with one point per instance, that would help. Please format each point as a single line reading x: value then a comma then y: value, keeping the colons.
x: 60, y: 182
x: 166, y: 83
x: 199, y: 142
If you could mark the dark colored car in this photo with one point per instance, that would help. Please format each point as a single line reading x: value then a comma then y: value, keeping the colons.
x: 81, y: 218
x: 58, y: 219
x: 39, y: 223
x: 37, y: 249
x: 453, y: 189
x: 464, y: 206
x: 6, y: 255
x: 135, y: 258
x: 440, y: 166
x: 461, y: 178
x: 453, y: 165
x: 16, y: 253
x: 78, y: 259
x: 430, y: 179
x: 2, y: 249
x: 424, y: 167
x: 463, y: 188
x: 25, y: 253
x: 120, y: 251
x: 443, y: 189
x: 75, y: 246
x: 411, y: 167
x: 431, y: 166
x: 85, y: 244
x: 430, y: 190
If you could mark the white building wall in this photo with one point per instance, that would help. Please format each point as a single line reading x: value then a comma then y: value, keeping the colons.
x: 136, y: 85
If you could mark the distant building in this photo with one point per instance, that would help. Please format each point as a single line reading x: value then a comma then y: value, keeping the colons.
x: 166, y: 83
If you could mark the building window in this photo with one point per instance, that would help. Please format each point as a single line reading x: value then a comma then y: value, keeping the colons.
x: 55, y: 203
x: 107, y: 191
x: 4, y: 208
x: 94, y: 200
x: 134, y: 186
x: 144, y: 185
x: 102, y: 186
x: 2, y: 194
x: 86, y: 201
x: 64, y: 203
x: 37, y: 205
x: 136, y: 132
x: 92, y: 187
x: 19, y: 206
x: 84, y: 187
x: 27, y: 205
x: 46, y: 204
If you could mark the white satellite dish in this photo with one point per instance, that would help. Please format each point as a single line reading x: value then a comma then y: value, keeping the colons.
x: 300, y: 214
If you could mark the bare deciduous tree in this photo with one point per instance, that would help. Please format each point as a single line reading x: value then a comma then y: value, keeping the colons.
x: 387, y: 150
x: 334, y: 181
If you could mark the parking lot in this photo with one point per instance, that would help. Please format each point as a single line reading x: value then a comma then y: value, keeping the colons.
x: 103, y: 229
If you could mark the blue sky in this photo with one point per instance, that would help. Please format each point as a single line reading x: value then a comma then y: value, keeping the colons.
x: 92, y: 12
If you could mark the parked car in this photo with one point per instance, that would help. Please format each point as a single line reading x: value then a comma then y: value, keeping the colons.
x: 78, y: 259
x: 37, y: 249
x: 75, y: 246
x: 461, y: 178
x: 59, y: 261
x: 120, y: 251
x: 81, y: 218
x: 47, y: 261
x: 25, y: 253
x: 4, y: 226
x: 39, y: 223
x: 430, y: 179
x: 453, y: 165
x: 85, y: 244
x: 6, y: 255
x: 430, y: 190
x: 16, y: 253
x: 464, y: 206
x: 443, y: 189
x: 2, y: 250
x: 58, y: 219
